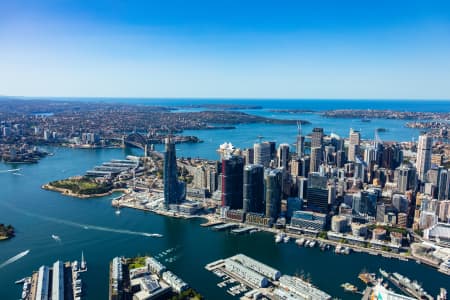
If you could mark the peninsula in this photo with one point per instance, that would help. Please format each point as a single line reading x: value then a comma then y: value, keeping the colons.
x: 83, y: 187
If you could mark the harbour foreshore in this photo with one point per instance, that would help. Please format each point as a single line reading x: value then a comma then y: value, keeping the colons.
x: 213, y: 219
x: 67, y: 192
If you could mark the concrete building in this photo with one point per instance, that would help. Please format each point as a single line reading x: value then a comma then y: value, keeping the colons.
x: 315, y: 159
x: 317, y: 138
x: 155, y: 266
x: 262, y: 154
x: 176, y: 283
x: 283, y: 156
x: 353, y: 145
x: 339, y: 224
x: 405, y: 177
x: 423, y: 160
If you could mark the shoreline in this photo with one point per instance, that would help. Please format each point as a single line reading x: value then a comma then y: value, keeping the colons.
x: 212, y: 219
x: 67, y: 192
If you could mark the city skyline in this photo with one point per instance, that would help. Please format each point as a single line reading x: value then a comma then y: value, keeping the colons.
x: 250, y: 50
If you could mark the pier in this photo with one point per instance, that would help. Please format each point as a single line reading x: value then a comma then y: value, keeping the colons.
x: 225, y: 226
x: 243, y: 230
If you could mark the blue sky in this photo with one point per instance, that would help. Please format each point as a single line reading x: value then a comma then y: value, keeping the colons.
x: 226, y: 49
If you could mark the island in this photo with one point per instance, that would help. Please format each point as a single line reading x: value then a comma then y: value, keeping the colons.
x: 6, y: 232
x: 84, y: 187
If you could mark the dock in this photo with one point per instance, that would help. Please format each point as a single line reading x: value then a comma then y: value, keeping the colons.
x: 211, y: 223
x: 225, y: 226
x: 242, y: 230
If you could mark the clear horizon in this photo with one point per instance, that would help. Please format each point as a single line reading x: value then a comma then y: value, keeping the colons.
x: 252, y: 50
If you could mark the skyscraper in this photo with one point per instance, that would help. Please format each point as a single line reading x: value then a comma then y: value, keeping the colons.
x: 262, y: 154
x: 317, y: 137
x: 443, y: 185
x: 273, y: 182
x: 232, y: 181
x: 423, y: 162
x: 300, y: 140
x: 317, y: 193
x: 253, y: 190
x: 283, y: 156
x: 353, y: 145
x: 173, y: 189
x: 316, y: 159
x: 405, y: 177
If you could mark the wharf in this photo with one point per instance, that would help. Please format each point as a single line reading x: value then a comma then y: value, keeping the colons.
x: 242, y: 230
x: 225, y: 226
x: 211, y: 223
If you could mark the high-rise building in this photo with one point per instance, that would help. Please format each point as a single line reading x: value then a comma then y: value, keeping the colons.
x: 405, y: 176
x: 443, y: 185
x: 315, y: 159
x: 400, y: 203
x: 317, y: 193
x: 232, y: 181
x: 365, y: 203
x: 262, y: 154
x: 173, y: 189
x: 392, y: 156
x: 423, y: 162
x: 353, y: 144
x: 273, y: 182
x: 300, y: 144
x: 248, y: 155
x: 329, y: 158
x: 317, y: 137
x: 283, y: 156
x: 253, y: 190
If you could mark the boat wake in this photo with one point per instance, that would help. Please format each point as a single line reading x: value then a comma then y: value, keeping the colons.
x: 100, y: 228
x: 84, y: 226
x: 10, y: 171
x: 14, y: 258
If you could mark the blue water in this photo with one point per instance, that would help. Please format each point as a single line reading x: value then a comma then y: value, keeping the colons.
x: 91, y: 225
x: 37, y: 214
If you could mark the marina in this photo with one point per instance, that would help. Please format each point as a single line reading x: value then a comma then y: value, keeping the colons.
x: 65, y: 279
x: 251, y: 279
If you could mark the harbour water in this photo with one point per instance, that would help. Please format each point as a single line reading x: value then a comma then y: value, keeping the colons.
x: 91, y: 225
